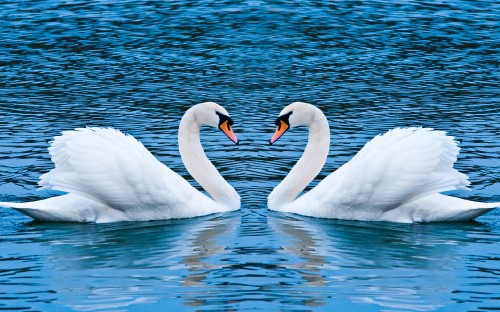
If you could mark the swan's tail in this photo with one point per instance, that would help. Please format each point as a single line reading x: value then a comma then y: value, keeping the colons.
x: 68, y: 208
x: 439, y: 207
x: 471, y: 212
x: 36, y: 209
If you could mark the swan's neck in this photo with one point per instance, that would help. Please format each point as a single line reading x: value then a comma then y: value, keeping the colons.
x: 199, y: 166
x: 308, y: 166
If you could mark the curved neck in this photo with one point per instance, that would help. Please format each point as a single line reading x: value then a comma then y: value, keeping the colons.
x: 199, y: 166
x: 308, y: 166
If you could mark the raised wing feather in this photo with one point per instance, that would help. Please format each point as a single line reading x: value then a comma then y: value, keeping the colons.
x: 397, y: 167
x: 115, y: 169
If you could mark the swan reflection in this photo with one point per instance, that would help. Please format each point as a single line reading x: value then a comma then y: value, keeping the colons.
x: 127, y: 261
x: 359, y: 261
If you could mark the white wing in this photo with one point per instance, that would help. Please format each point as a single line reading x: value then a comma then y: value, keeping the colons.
x: 115, y: 169
x: 392, y: 169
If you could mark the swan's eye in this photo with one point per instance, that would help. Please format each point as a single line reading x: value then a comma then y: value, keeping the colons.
x: 277, y: 121
x: 285, y: 118
x: 223, y: 118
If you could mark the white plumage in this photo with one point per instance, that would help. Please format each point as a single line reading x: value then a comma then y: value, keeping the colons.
x: 397, y: 176
x: 110, y: 176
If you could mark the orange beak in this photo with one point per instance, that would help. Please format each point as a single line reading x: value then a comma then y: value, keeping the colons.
x: 226, y: 128
x: 282, y: 127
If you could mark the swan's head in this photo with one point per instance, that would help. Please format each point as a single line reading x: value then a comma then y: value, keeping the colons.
x: 213, y: 115
x: 294, y: 115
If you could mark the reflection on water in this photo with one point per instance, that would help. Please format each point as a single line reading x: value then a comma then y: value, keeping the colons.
x: 138, y: 65
x: 388, y: 265
x: 91, y: 260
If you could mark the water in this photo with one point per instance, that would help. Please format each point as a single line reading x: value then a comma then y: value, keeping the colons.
x: 138, y: 65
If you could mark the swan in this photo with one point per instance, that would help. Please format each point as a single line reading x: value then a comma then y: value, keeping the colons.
x: 397, y: 176
x: 110, y: 176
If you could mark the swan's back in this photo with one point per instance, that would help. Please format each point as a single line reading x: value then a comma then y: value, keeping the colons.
x: 114, y: 169
x: 393, y: 169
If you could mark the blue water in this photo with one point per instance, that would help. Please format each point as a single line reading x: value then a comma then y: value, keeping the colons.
x: 138, y: 65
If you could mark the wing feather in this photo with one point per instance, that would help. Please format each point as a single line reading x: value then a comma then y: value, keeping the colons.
x: 394, y: 168
x: 108, y: 166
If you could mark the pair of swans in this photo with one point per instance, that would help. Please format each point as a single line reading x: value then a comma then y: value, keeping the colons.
x: 110, y: 176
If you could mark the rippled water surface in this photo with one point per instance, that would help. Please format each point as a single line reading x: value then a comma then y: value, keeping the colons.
x: 138, y: 65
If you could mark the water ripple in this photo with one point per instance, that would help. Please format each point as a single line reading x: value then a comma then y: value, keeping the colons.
x: 138, y: 65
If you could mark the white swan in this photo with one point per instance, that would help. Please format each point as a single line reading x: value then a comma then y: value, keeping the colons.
x: 395, y: 177
x: 110, y: 176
